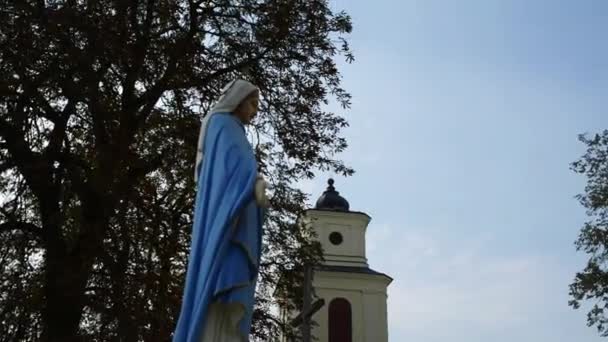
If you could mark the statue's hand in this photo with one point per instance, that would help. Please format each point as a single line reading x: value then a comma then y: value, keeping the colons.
x: 260, y: 192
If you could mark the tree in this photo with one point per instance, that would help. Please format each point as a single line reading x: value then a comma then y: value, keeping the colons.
x: 591, y: 284
x: 100, y: 102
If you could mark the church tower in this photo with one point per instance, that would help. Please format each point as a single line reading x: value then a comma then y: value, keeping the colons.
x: 355, y: 296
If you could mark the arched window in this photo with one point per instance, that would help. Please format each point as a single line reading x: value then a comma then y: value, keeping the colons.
x: 340, y: 321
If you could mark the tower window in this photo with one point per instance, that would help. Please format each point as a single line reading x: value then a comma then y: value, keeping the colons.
x: 340, y: 321
x: 335, y: 238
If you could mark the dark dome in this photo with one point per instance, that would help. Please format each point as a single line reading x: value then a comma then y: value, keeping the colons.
x: 331, y: 199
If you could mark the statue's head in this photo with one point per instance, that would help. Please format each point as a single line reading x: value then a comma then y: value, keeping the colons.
x: 241, y: 98
x: 248, y: 108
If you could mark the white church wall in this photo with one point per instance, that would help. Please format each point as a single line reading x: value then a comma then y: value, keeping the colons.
x: 367, y: 296
x: 352, y: 228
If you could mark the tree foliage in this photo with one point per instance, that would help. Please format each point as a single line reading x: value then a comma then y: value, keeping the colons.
x: 100, y: 102
x: 591, y: 284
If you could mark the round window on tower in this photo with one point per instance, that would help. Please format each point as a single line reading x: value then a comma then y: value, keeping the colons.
x: 335, y: 238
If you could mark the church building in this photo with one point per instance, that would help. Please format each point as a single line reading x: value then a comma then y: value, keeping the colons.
x: 355, y: 295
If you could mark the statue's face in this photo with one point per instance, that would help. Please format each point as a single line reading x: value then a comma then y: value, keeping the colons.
x: 247, y: 110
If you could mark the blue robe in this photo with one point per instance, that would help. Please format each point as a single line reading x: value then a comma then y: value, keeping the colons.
x: 227, y: 231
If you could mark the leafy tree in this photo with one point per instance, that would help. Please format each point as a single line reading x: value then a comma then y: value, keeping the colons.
x: 100, y: 102
x: 591, y: 284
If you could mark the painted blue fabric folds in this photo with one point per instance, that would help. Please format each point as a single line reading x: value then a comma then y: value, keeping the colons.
x: 227, y: 230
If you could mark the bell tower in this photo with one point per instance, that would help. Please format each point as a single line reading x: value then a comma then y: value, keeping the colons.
x: 355, y: 295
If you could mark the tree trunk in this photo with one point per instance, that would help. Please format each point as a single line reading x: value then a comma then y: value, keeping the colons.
x: 67, y: 272
x: 64, y: 292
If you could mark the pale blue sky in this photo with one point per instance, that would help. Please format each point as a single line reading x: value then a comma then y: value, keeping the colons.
x: 464, y: 121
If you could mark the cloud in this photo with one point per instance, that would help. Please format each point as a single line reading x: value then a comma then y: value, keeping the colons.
x: 458, y: 285
x: 412, y: 247
x: 309, y: 186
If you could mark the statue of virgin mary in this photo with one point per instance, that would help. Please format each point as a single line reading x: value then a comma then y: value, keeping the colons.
x: 225, y: 250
